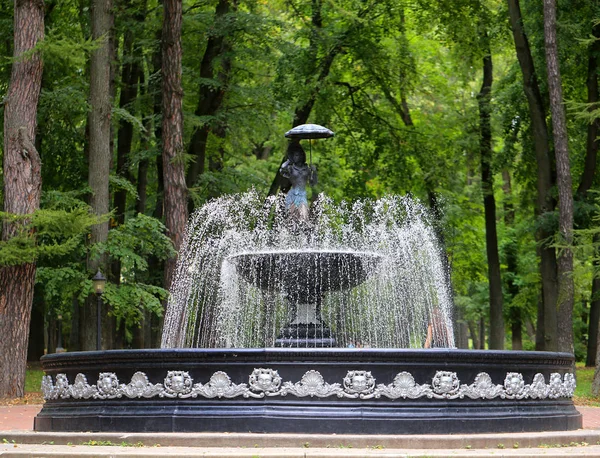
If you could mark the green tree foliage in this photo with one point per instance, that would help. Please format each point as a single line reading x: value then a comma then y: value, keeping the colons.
x: 396, y: 80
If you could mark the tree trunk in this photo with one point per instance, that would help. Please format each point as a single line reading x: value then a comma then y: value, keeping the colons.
x: 563, y: 177
x: 175, y: 193
x: 489, y: 204
x: 129, y: 82
x: 474, y: 336
x: 99, y: 121
x: 210, y: 96
x: 545, y: 202
x: 511, y: 255
x: 35, y: 349
x: 482, y: 333
x: 22, y: 187
x: 130, y: 75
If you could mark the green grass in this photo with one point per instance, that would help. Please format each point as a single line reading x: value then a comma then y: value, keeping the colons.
x: 33, y: 378
x: 583, y: 391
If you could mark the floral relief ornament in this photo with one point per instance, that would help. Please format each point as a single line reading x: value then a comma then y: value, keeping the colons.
x: 81, y: 389
x: 140, y: 387
x: 403, y: 386
x: 312, y: 384
x: 220, y: 385
x: 482, y: 388
x: 267, y: 382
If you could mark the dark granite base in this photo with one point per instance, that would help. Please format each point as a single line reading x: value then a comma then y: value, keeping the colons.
x: 292, y: 413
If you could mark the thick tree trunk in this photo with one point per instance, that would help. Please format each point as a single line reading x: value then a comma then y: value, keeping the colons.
x: 545, y: 202
x: 99, y: 121
x: 563, y: 178
x: 210, y: 96
x: 510, y: 252
x: 489, y: 204
x: 22, y: 187
x: 175, y: 192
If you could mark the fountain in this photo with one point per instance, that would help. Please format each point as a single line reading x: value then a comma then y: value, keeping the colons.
x: 289, y: 318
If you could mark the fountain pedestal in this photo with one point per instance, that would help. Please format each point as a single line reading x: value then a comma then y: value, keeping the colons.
x: 303, y: 277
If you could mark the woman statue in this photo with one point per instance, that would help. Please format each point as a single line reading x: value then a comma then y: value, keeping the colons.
x: 300, y: 174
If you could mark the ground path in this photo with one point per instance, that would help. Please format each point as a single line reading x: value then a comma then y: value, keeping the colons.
x: 18, y: 440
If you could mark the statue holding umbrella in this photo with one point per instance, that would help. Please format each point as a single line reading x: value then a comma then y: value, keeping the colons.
x: 297, y: 171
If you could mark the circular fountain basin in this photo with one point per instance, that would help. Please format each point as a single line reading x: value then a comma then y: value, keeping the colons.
x: 305, y: 275
x: 324, y: 390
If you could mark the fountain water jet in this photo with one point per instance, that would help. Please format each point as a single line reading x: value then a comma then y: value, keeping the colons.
x: 373, y: 270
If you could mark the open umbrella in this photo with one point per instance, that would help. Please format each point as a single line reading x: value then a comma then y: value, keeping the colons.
x: 309, y: 131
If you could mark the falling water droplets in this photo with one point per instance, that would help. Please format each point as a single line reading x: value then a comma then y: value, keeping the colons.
x: 374, y: 268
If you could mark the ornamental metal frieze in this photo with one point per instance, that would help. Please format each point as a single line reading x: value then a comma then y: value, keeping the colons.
x: 265, y: 382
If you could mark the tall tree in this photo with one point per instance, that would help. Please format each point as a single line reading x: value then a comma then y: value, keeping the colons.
x: 489, y: 203
x: 22, y: 188
x: 547, y: 314
x: 99, y: 121
x: 564, y: 182
x: 131, y: 73
x: 175, y: 190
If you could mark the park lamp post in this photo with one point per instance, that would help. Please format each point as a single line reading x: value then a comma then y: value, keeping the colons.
x: 98, y: 282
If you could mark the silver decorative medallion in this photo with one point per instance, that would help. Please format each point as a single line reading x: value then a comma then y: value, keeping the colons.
x: 555, y: 388
x: 267, y: 382
x: 569, y: 385
x: 359, y: 383
x: 514, y: 386
x: 178, y: 384
x: 108, y: 386
x: 446, y: 385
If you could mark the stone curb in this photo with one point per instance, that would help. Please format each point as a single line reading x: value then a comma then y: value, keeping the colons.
x: 19, y: 451
x: 310, y: 441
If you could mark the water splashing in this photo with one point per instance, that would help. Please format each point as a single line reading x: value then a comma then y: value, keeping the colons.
x: 366, y: 274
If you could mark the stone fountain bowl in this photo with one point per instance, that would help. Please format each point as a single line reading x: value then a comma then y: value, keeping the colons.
x: 305, y: 275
